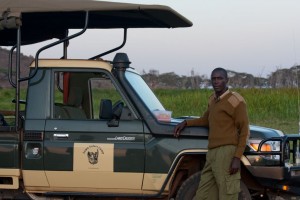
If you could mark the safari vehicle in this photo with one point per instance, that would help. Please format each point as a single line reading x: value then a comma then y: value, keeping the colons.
x: 94, y: 129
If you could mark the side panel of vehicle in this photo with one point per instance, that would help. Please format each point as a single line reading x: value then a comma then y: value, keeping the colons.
x: 9, y: 150
x: 162, y: 151
x: 10, y: 159
x: 79, y: 155
x: 37, y: 111
x: 89, y: 154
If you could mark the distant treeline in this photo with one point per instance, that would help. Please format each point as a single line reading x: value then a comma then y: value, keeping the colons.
x: 281, y: 78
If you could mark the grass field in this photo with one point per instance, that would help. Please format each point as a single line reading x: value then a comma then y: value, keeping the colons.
x: 275, y: 108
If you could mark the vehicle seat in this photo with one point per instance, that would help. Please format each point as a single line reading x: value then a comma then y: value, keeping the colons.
x: 59, y: 112
x: 73, y: 108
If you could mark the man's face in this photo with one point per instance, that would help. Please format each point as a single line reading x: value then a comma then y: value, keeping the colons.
x: 219, y: 81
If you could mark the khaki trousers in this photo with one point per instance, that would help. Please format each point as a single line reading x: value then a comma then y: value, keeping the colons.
x: 216, y: 183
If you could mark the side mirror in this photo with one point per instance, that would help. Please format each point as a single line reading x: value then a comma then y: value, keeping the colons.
x: 111, y: 113
x: 105, y: 109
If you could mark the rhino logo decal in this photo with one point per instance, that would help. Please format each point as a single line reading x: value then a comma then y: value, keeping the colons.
x: 93, y: 157
x: 92, y: 152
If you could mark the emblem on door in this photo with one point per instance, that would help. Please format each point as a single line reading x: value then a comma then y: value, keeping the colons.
x: 92, y: 152
x: 93, y: 157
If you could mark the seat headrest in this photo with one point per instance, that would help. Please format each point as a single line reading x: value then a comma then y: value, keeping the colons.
x: 75, y: 97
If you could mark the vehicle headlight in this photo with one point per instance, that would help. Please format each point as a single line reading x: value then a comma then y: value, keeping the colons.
x: 269, y: 146
x: 265, y: 147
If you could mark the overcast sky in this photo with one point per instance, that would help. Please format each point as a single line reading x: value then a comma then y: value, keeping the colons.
x: 252, y: 36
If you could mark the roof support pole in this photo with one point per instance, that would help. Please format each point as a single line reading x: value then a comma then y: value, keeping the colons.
x: 17, y: 97
x: 66, y: 44
x: 10, y: 61
x: 112, y: 50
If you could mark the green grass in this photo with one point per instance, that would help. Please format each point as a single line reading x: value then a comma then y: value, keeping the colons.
x: 275, y: 108
x: 6, y: 97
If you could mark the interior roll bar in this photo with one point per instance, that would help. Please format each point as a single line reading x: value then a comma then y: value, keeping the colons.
x: 16, y: 84
x: 53, y: 44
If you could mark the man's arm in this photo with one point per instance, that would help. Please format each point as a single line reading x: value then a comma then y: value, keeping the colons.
x: 202, y: 121
x: 242, y: 124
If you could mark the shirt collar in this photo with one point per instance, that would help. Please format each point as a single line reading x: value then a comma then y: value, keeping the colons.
x: 218, y: 98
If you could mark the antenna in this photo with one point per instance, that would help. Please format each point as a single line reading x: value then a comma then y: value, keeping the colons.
x: 297, y: 80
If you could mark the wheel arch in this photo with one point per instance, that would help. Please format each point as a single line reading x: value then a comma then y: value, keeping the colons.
x: 247, y: 177
x: 186, y: 164
x: 190, y: 162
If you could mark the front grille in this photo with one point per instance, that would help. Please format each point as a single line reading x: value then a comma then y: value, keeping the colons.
x: 33, y: 136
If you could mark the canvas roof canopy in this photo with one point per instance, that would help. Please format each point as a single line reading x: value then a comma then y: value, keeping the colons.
x: 47, y: 19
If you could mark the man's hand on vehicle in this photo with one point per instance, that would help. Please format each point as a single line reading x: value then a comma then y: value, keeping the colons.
x: 179, y: 127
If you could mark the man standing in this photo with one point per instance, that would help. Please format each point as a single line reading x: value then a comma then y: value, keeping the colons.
x: 227, y: 120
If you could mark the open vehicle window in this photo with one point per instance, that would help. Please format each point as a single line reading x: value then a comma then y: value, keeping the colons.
x: 87, y: 96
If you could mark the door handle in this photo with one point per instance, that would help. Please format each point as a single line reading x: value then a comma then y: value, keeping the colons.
x: 61, y: 135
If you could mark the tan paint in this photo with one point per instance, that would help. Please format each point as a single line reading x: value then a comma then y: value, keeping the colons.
x: 153, y: 181
x: 94, y: 182
x: 96, y: 157
x: 89, y: 179
x: 11, y: 173
x: 85, y: 179
x: 73, y: 63
x: 128, y: 183
x: 245, y: 161
x: 34, y: 178
x: 85, y: 190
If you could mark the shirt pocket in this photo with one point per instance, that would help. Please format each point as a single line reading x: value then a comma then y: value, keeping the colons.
x: 233, y: 183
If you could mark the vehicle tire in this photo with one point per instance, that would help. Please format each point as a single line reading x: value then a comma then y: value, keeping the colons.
x: 189, y: 187
x: 34, y: 196
x: 244, y: 193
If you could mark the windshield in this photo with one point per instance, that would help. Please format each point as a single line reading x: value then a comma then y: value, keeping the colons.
x: 144, y: 92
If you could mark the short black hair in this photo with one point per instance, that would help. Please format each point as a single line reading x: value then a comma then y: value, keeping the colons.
x: 222, y: 70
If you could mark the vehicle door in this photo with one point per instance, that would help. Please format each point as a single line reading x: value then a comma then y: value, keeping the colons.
x: 86, y: 145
